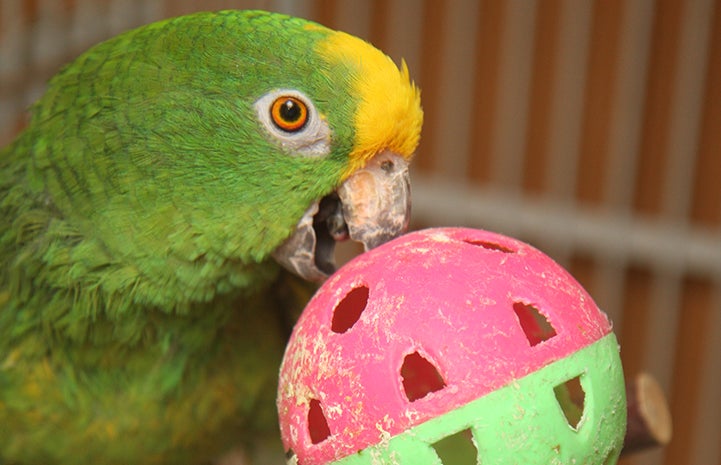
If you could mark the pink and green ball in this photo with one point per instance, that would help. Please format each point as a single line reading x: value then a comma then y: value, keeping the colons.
x: 445, y: 335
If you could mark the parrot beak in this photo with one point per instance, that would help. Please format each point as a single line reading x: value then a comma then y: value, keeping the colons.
x: 371, y: 207
x: 376, y: 200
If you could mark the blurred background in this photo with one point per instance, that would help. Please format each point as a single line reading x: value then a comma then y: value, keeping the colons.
x: 591, y: 129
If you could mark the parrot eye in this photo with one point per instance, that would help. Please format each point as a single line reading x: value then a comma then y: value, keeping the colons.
x: 289, y: 114
x: 292, y: 121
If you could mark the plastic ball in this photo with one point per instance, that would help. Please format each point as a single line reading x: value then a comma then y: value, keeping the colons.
x: 452, y: 345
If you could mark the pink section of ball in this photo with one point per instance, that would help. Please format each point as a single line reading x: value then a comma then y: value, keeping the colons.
x: 462, y: 299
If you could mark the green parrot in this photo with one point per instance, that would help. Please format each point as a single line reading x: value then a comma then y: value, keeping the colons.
x: 168, y: 184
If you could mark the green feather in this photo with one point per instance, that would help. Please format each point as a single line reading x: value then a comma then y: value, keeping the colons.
x: 138, y: 315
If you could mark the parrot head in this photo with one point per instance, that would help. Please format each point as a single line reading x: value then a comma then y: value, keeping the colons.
x: 198, y: 146
x: 370, y: 200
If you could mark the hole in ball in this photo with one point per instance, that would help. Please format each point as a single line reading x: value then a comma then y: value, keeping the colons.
x: 534, y: 324
x: 317, y: 423
x: 489, y: 245
x: 349, y: 310
x: 572, y: 399
x: 420, y: 377
x: 457, y: 449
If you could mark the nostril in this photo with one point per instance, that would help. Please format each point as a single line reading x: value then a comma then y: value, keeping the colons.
x: 387, y: 166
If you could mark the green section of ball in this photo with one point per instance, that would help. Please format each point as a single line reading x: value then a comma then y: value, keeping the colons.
x: 571, y: 411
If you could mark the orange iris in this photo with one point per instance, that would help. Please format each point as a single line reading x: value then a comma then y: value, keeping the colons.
x: 289, y: 113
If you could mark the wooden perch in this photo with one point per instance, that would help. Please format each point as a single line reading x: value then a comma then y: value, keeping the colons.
x: 649, y: 418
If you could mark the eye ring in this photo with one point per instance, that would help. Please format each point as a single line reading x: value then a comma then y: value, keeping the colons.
x: 289, y: 113
x: 309, y: 135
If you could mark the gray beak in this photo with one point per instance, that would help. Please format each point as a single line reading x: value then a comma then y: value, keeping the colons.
x: 371, y: 207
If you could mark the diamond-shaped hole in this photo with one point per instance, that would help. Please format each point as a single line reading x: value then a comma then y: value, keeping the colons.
x: 489, y: 245
x: 420, y: 377
x: 572, y: 399
x: 317, y: 423
x: 533, y: 323
x: 349, y: 310
x: 457, y: 449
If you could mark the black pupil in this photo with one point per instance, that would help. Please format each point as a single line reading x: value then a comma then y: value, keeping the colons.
x: 290, y: 111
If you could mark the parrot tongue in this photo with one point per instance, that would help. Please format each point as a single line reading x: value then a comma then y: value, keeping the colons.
x: 371, y: 207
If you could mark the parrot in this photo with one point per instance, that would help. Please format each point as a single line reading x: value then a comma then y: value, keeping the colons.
x: 173, y: 192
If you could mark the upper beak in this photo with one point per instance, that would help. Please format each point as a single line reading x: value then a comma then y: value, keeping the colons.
x: 371, y: 207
